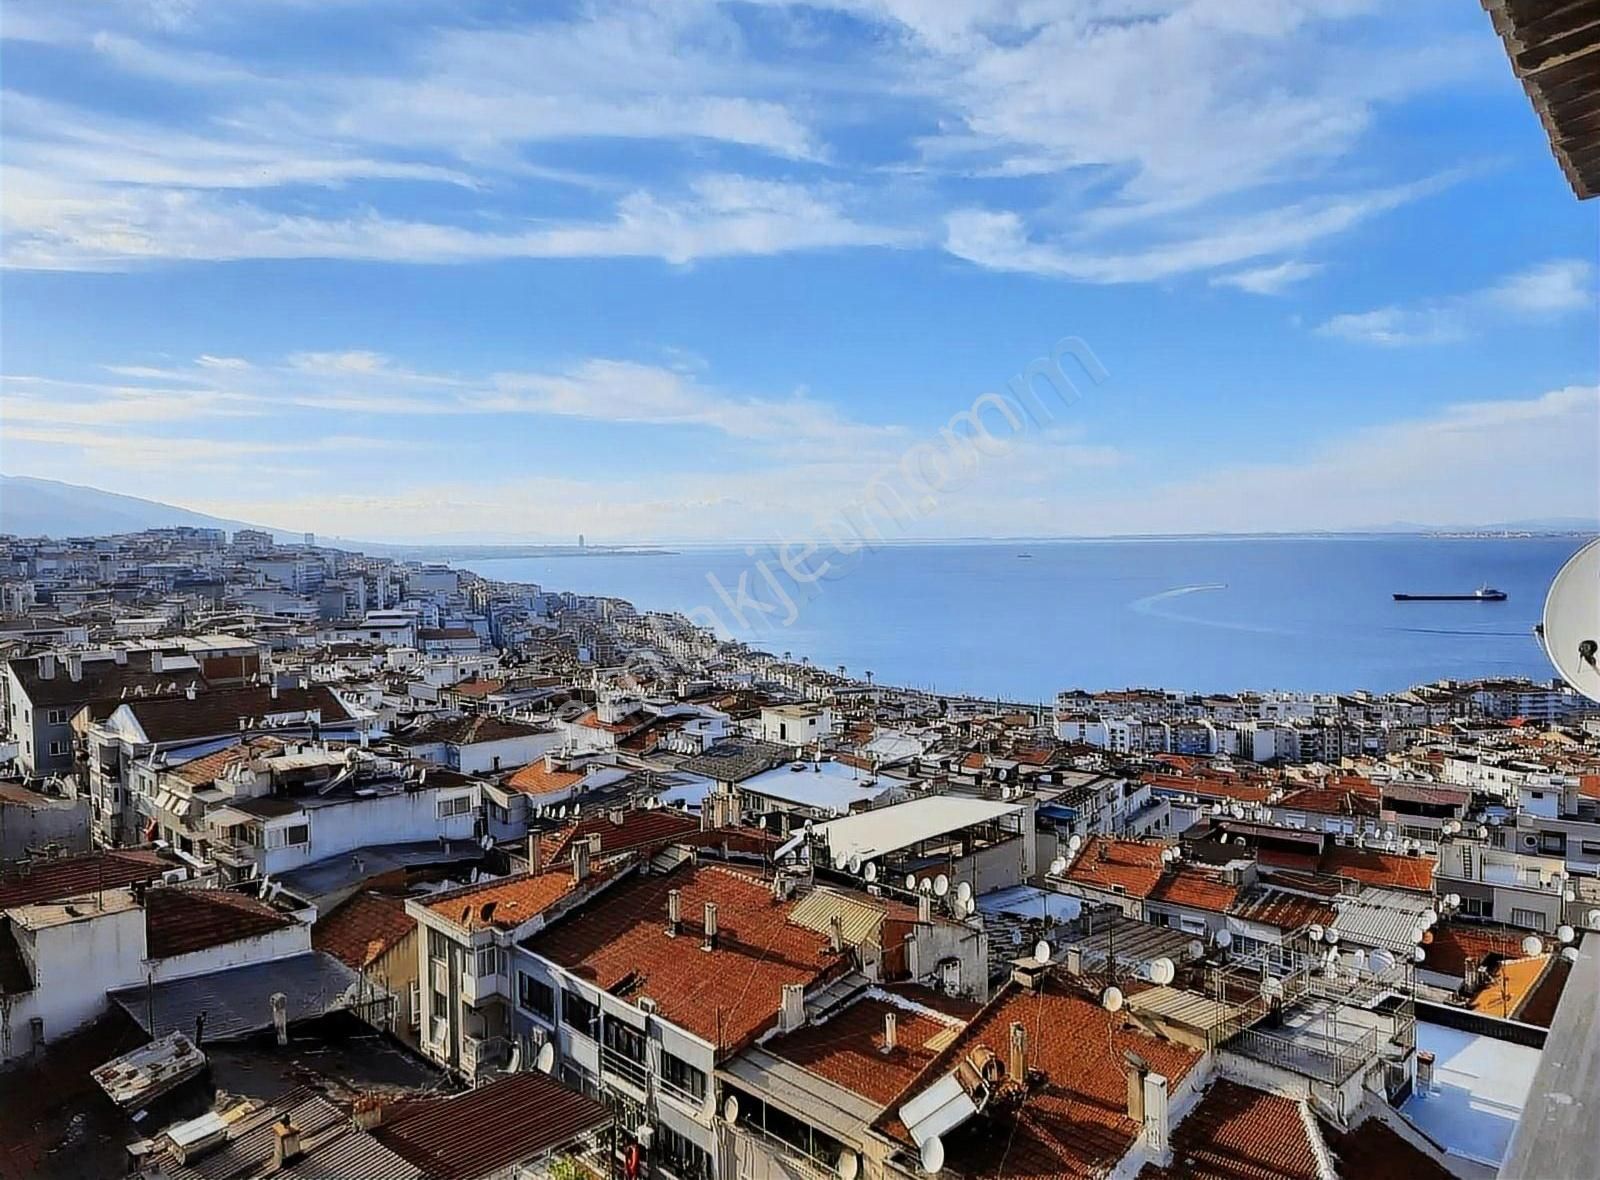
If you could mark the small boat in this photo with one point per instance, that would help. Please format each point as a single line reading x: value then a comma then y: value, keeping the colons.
x: 1481, y: 594
x: 1024, y: 555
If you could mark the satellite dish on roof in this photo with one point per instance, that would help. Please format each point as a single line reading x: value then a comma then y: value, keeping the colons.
x: 1041, y: 951
x: 849, y: 1165
x: 970, y: 905
x: 854, y: 863
x: 1418, y: 954
x: 1593, y: 917
x: 1224, y: 938
x: 1163, y: 972
x: 730, y: 1109
x: 1271, y: 986
x: 1566, y: 933
x: 1381, y: 960
x: 926, y: 884
x: 546, y: 1061
x: 1111, y: 999
x: 1571, y: 626
x: 964, y: 892
x: 1075, y: 843
x: 870, y: 872
x: 941, y: 885
x: 1331, y: 935
x: 1315, y: 932
x: 1569, y: 953
x: 932, y: 1158
x: 1196, y: 948
x: 1358, y: 959
x: 911, y: 881
x: 1417, y: 934
x: 1058, y: 866
x: 1532, y: 946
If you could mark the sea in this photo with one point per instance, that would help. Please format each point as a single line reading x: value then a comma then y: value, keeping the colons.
x: 1021, y: 621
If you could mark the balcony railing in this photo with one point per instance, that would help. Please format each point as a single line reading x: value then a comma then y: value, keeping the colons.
x: 480, y: 1054
x: 622, y: 1066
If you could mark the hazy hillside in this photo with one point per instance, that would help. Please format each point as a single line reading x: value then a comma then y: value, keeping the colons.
x: 44, y: 507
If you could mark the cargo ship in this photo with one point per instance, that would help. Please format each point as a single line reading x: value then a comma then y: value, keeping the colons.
x: 1481, y: 594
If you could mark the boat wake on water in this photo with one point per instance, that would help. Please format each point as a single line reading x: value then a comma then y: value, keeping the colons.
x: 1154, y: 605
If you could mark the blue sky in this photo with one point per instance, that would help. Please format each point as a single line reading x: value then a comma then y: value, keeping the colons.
x: 686, y: 270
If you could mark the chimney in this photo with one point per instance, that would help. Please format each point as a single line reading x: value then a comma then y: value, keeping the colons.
x: 75, y: 665
x: 120, y: 655
x: 285, y: 1144
x: 888, y: 1032
x: 1136, y: 1069
x: 711, y: 927
x: 274, y: 690
x: 1074, y: 960
x: 674, y: 912
x: 47, y: 666
x: 580, y: 861
x: 190, y: 691
x: 157, y: 663
x: 278, y: 1004
x: 835, y: 933
x: 616, y: 814
x: 924, y: 908
x: 792, y: 1011
x: 1017, y: 1063
x: 535, y: 853
x: 1157, y: 1115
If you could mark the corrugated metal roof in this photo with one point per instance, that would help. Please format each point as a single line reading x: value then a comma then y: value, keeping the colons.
x: 862, y: 921
x: 900, y: 825
x: 1381, y: 917
x: 349, y: 1154
x: 1182, y: 1007
x: 236, y: 1002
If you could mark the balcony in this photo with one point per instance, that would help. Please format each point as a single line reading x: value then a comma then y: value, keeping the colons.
x: 624, y: 1068
x: 478, y: 989
x: 479, y: 1055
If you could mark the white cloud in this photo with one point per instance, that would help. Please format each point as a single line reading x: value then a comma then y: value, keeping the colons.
x: 1269, y: 280
x: 1540, y: 292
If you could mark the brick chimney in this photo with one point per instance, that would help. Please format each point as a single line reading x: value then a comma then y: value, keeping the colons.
x: 674, y: 912
x: 711, y: 927
x: 792, y: 1010
x: 535, y: 853
x: 285, y: 1144
x: 580, y: 861
x: 1017, y: 1062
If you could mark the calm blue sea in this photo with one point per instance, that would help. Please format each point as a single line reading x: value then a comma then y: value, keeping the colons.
x: 1213, y: 614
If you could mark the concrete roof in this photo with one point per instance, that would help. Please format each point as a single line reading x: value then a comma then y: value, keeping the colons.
x: 902, y: 825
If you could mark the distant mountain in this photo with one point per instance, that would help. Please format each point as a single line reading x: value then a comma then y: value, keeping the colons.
x: 45, y: 507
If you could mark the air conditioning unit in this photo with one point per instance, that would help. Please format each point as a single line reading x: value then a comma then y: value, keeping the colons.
x: 646, y: 1005
x: 644, y: 1135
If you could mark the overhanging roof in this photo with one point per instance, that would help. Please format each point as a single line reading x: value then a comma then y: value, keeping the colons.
x: 1554, y: 47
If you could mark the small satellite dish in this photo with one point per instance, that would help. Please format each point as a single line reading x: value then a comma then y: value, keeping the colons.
x: 1111, y: 999
x: 1163, y: 972
x: 1532, y: 946
x: 1041, y: 951
x: 926, y: 885
x: 970, y: 906
x: 1417, y: 934
x: 1075, y: 843
x: 870, y: 872
x: 849, y: 1165
x: 1594, y: 919
x: 1569, y: 953
x: 730, y: 1109
x: 1418, y: 954
x: 1331, y: 936
x: 1453, y: 900
x: 1358, y: 960
x: 1571, y: 626
x: 1196, y: 948
x: 1315, y: 932
x: 1381, y: 961
x: 1058, y: 866
x: 964, y: 892
x: 911, y: 881
x: 1224, y: 938
x: 941, y: 885
x: 1271, y: 986
x: 807, y: 826
x: 1566, y: 934
x: 546, y: 1061
x: 854, y: 863
x: 932, y: 1156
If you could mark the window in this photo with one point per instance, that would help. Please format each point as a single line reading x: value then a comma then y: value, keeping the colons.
x: 1532, y: 919
x: 58, y: 747
x: 438, y: 945
x: 624, y: 1039
x: 579, y: 1014
x: 1555, y: 842
x: 1591, y: 847
x: 681, y: 1156
x: 682, y: 1077
x: 488, y: 961
x: 455, y: 805
x: 536, y: 996
x: 297, y: 834
x: 56, y: 717
x: 416, y: 1005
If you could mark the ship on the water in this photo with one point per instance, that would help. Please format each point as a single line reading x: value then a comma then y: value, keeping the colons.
x: 1481, y: 594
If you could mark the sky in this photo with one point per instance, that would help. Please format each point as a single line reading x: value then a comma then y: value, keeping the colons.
x: 684, y: 270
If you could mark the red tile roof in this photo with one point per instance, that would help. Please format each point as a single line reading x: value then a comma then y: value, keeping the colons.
x: 493, y: 1127
x: 727, y: 995
x: 1240, y: 1133
x: 1284, y: 910
x: 847, y: 1048
x: 219, y: 711
x: 1379, y: 868
x: 1374, y: 1152
x: 1196, y: 888
x: 537, y: 778
x: 1128, y: 866
x: 511, y: 901
x: 1320, y: 801
x: 73, y: 876
x: 178, y: 920
x: 1453, y: 943
x: 640, y: 828
x: 1076, y: 1125
x: 363, y: 929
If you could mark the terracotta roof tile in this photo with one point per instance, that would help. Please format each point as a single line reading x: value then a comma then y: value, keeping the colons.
x: 363, y: 929
x: 640, y: 828
x: 1453, y: 943
x: 1128, y: 866
x: 1379, y: 868
x: 1240, y: 1133
x: 178, y: 920
x: 1196, y: 888
x: 1374, y: 1152
x: 727, y: 995
x: 72, y: 876
x: 1076, y: 1125
x: 1283, y: 909
x: 538, y: 779
x: 513, y: 899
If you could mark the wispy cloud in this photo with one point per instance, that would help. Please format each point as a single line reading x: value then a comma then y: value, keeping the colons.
x: 1549, y: 289
x: 1269, y: 280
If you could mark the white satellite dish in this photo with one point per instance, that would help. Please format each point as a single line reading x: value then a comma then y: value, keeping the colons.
x: 1571, y: 626
x: 1358, y: 960
x: 964, y: 893
x: 1418, y: 934
x: 1331, y: 935
x: 1418, y: 954
x: 1271, y: 986
x: 1075, y: 843
x: 941, y: 885
x: 1566, y: 934
x: 807, y: 826
x: 932, y: 1155
x: 1163, y: 972
x: 870, y: 872
x: 1224, y: 938
x: 911, y: 882
x: 849, y: 1165
x: 546, y: 1061
x: 1532, y: 946
x: 1196, y: 948
x: 1569, y: 953
x: 730, y: 1109
x: 1041, y: 951
x: 1058, y: 866
x: 1315, y: 932
x: 1381, y: 961
x: 970, y: 906
x: 1453, y: 900
x: 1594, y: 919
x: 1111, y: 999
x: 853, y: 863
